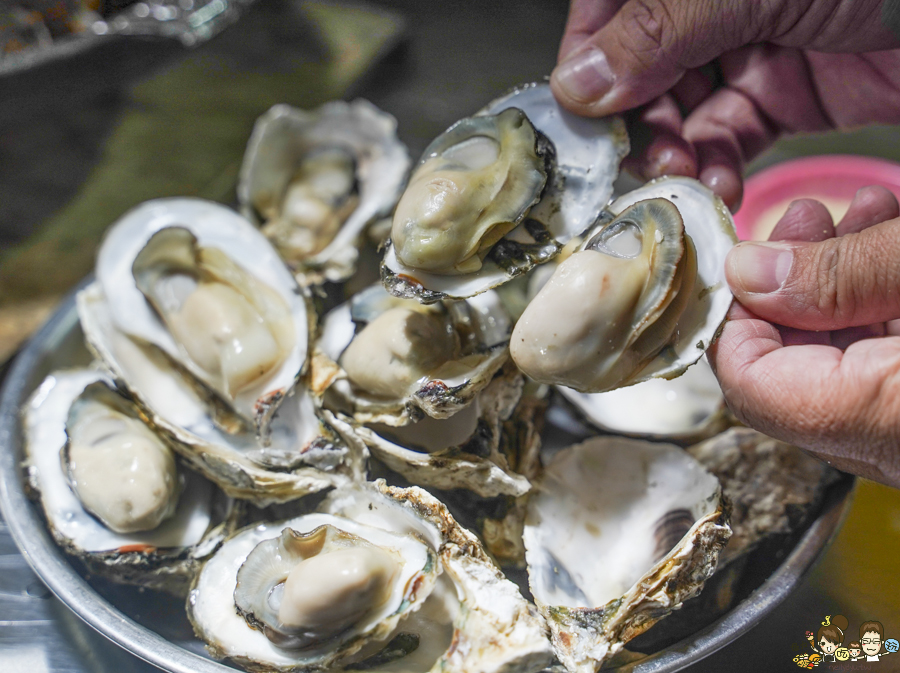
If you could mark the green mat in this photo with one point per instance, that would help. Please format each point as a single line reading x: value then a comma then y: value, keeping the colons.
x: 183, y: 134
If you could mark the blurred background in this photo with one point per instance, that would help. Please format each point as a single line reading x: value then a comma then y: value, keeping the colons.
x: 101, y: 120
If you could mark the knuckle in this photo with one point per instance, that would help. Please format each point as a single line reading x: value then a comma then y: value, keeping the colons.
x: 650, y: 28
x: 825, y: 280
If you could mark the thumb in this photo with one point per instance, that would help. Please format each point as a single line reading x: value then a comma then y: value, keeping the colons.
x: 647, y: 46
x: 840, y: 282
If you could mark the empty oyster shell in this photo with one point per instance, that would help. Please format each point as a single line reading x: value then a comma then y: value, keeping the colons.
x: 585, y: 156
x: 619, y: 533
x: 200, y: 283
x: 643, y: 297
x: 162, y: 556
x: 684, y: 409
x: 387, y: 360
x: 315, y: 179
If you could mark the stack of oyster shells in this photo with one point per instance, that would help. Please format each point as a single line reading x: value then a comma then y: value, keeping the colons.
x: 252, y: 363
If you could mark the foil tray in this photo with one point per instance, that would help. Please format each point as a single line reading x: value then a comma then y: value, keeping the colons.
x: 154, y: 627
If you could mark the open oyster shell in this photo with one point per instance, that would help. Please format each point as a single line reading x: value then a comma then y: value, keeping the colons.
x: 387, y: 360
x: 164, y: 556
x: 200, y: 283
x: 313, y: 208
x: 249, y: 561
x: 494, y: 629
x: 463, y: 451
x: 585, y: 158
x: 643, y: 296
x: 306, y: 452
x: 684, y: 409
x: 619, y: 533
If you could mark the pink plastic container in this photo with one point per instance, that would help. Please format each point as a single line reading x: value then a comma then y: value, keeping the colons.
x: 832, y: 179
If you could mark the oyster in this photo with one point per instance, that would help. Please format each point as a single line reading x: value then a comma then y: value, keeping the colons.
x: 475, y: 183
x: 306, y: 451
x: 394, y: 361
x: 494, y: 629
x: 463, y: 451
x: 643, y: 296
x: 197, y: 281
x: 619, y: 533
x: 313, y: 180
x: 308, y: 592
x: 151, y: 527
x: 479, y: 210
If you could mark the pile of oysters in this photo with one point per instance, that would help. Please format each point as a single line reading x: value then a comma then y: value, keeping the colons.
x: 340, y: 421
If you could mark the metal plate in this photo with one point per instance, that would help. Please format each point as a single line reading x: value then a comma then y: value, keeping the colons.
x: 154, y: 627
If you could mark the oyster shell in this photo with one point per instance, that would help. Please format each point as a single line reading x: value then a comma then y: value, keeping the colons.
x: 280, y: 626
x: 684, y: 409
x: 619, y: 533
x: 162, y: 556
x: 200, y: 283
x: 772, y: 486
x: 387, y: 360
x: 463, y: 451
x: 585, y: 158
x: 495, y: 630
x: 643, y: 296
x: 313, y: 180
x: 306, y: 452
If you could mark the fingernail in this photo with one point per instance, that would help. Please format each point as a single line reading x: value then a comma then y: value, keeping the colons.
x: 760, y: 267
x: 586, y: 76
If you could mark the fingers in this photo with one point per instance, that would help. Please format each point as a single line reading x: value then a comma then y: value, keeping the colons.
x: 804, y: 220
x: 840, y: 282
x: 586, y: 17
x: 870, y: 205
x: 844, y: 406
x: 657, y: 147
x: 646, y: 47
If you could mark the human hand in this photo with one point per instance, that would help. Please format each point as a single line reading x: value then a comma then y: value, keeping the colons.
x: 810, y: 355
x: 720, y: 80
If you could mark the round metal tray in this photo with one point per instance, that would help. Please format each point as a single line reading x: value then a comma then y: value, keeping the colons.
x: 154, y: 627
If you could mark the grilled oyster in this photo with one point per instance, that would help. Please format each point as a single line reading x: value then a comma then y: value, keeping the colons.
x: 643, y: 296
x: 485, y: 205
x: 313, y: 180
x: 387, y: 360
x: 111, y: 491
x: 197, y: 281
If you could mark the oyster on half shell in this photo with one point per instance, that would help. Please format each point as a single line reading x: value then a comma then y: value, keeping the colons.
x: 152, y: 526
x: 387, y: 360
x: 643, y: 296
x: 483, y: 207
x: 198, y: 282
x: 314, y: 180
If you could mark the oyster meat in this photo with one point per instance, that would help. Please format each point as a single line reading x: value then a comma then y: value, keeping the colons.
x: 643, y: 296
x: 112, y: 492
x: 314, y: 180
x: 485, y: 205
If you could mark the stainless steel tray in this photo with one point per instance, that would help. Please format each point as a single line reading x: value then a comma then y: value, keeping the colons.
x: 154, y: 627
